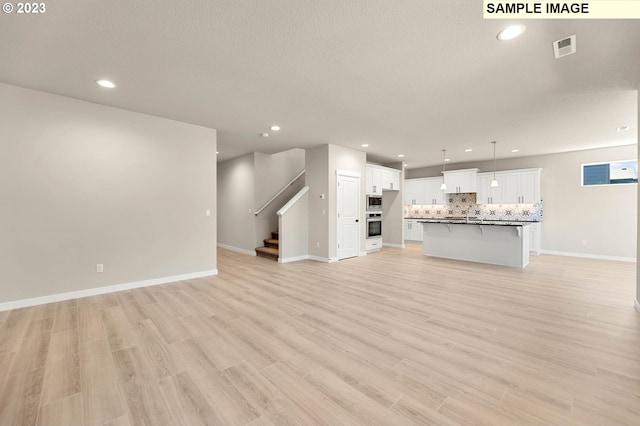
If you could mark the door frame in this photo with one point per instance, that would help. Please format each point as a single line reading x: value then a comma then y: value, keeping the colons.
x: 357, y: 175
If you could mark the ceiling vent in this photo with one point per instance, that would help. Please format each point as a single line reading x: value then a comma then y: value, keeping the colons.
x: 564, y: 46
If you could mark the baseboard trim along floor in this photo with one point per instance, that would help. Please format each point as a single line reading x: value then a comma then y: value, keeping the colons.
x: 23, y: 303
x: 589, y: 256
x: 237, y: 249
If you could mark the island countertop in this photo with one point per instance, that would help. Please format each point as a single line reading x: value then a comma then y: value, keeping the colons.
x: 478, y: 222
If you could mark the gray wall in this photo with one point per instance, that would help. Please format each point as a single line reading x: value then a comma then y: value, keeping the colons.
x: 392, y: 209
x: 322, y: 163
x: 272, y: 173
x: 638, y: 208
x: 236, y: 202
x: 245, y: 184
x: 317, y: 179
x: 82, y: 184
x: 606, y: 217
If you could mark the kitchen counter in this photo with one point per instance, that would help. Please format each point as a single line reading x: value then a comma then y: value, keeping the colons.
x: 477, y: 222
x: 495, y: 242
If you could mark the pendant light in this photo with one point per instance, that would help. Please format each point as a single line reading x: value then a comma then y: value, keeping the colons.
x: 444, y: 185
x: 494, y: 182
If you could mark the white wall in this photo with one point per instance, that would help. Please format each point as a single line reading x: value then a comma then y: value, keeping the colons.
x: 606, y: 217
x: 294, y: 230
x: 82, y: 184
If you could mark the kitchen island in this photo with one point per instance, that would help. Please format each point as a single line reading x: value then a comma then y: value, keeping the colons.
x: 495, y: 242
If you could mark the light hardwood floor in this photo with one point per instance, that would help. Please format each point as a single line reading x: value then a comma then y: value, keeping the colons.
x: 391, y: 338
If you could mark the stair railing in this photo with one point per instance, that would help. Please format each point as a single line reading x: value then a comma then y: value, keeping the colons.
x: 257, y: 212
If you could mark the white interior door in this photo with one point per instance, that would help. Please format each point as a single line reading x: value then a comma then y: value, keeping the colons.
x: 348, y: 220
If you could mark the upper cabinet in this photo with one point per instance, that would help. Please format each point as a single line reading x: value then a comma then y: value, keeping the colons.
x: 414, y: 191
x: 522, y: 186
x: 433, y: 194
x: 390, y: 179
x: 485, y: 193
x: 421, y: 192
x: 380, y: 178
x: 461, y: 181
x: 514, y: 187
x: 374, y: 180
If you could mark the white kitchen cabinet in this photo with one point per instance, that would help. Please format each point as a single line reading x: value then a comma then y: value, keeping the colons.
x: 373, y: 244
x: 433, y: 194
x: 535, y: 238
x: 488, y: 195
x: 414, y: 191
x: 374, y: 180
x: 459, y: 181
x: 379, y: 178
x: 390, y: 179
x: 522, y: 186
x: 412, y: 230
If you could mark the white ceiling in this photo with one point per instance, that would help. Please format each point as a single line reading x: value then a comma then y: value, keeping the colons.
x: 407, y: 77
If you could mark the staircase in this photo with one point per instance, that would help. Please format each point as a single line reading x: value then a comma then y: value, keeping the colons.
x: 271, y: 247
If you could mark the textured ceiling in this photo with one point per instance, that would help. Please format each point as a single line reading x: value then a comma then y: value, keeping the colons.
x: 408, y: 77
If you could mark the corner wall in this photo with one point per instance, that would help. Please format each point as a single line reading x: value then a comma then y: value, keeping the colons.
x: 605, y: 216
x: 236, y: 199
x: 83, y: 184
x: 322, y: 163
x: 341, y: 158
x: 393, y: 213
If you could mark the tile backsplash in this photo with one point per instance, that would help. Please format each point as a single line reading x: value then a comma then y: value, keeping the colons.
x: 463, y: 205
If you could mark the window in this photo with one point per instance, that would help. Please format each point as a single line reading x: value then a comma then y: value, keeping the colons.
x: 611, y: 173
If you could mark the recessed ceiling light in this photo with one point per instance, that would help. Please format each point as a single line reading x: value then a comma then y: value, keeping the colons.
x: 515, y: 150
x: 405, y: 164
x: 447, y: 159
x: 217, y: 152
x: 264, y: 135
x: 365, y: 145
x: 106, y: 83
x: 511, y: 32
x: 275, y: 128
x: 622, y: 129
x: 400, y: 155
x: 468, y: 150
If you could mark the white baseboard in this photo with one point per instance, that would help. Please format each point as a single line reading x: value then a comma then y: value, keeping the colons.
x: 393, y: 245
x: 589, y: 256
x: 319, y: 259
x: 293, y: 259
x: 362, y: 253
x: 237, y: 249
x: 23, y: 303
x: 637, y: 305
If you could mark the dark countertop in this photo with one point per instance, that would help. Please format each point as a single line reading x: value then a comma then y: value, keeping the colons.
x: 476, y: 222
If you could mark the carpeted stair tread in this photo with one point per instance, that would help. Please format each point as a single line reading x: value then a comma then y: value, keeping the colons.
x: 267, y: 252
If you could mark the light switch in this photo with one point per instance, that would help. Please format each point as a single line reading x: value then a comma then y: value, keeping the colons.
x: 207, y: 213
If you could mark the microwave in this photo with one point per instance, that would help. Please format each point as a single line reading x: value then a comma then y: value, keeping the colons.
x: 374, y: 203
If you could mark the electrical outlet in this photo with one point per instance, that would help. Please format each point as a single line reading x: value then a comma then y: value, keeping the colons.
x: 99, y: 268
x: 207, y: 213
x: 318, y: 244
x: 584, y: 242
